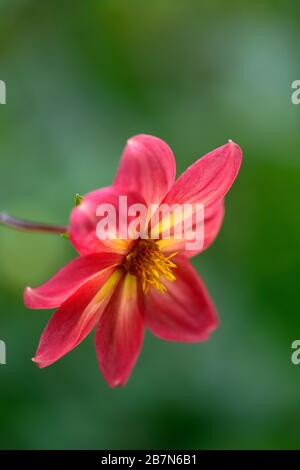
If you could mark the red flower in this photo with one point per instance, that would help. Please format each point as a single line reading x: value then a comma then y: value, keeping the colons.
x: 122, y: 286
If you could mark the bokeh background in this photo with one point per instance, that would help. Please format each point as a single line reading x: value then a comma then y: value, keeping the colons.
x: 81, y: 78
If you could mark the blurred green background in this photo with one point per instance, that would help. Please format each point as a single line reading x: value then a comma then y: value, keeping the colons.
x: 81, y: 78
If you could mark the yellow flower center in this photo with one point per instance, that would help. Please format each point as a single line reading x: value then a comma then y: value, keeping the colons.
x: 149, y: 264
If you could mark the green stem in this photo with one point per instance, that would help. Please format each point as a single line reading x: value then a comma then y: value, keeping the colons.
x: 21, y: 224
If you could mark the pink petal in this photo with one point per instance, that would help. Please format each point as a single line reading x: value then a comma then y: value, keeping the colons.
x: 119, y: 334
x: 213, y: 218
x: 208, y: 179
x: 147, y: 166
x: 64, y: 283
x: 76, y: 317
x: 185, y: 312
x: 83, y: 221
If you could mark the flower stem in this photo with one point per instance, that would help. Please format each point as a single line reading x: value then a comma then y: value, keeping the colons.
x: 21, y: 224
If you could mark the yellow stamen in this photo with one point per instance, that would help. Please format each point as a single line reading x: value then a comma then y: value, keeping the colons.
x: 150, y: 265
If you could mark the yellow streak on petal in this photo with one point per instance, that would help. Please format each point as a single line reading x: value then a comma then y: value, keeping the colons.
x: 101, y: 299
x: 130, y: 285
x: 108, y: 287
x: 167, y: 245
x: 117, y: 245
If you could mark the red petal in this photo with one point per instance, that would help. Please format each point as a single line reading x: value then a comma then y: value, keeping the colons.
x: 83, y: 221
x: 76, y: 318
x: 148, y: 167
x: 119, y: 334
x: 183, y: 313
x: 68, y: 279
x: 208, y: 179
x: 213, y: 218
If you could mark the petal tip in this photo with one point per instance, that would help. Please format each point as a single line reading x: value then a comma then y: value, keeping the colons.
x: 134, y: 140
x: 235, y: 152
x: 116, y: 384
x: 37, y: 361
x: 28, y: 297
x: 231, y: 143
x: 209, y: 330
x: 33, y: 300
